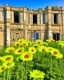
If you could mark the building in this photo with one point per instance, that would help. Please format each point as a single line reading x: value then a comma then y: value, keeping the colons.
x: 30, y: 24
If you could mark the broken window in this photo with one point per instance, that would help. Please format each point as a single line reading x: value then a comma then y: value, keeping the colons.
x: 16, y: 17
x: 55, y: 18
x: 34, y: 19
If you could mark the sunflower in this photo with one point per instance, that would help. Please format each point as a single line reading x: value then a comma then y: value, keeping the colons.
x: 17, y: 44
x: 37, y: 74
x: 30, y: 43
x: 54, y: 52
x: 49, y: 49
x: 32, y: 50
x: 9, y: 49
x: 35, y: 45
x: 9, y: 64
x: 26, y: 56
x: 21, y: 40
x: 24, y: 43
x: 19, y: 51
x: 43, y: 49
x: 7, y: 58
x: 52, y: 40
x: 2, y: 68
x: 45, y: 44
x: 59, y: 56
x: 39, y: 42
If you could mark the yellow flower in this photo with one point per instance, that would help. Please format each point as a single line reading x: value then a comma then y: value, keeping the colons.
x: 37, y: 74
x: 35, y: 45
x: 2, y: 68
x: 43, y: 49
x: 9, y: 49
x: 7, y: 58
x: 24, y: 43
x: 17, y: 44
x: 55, y: 52
x: 60, y: 56
x: 39, y: 42
x: 32, y: 50
x: 9, y: 64
x: 44, y: 44
x: 21, y: 40
x: 52, y: 40
x: 26, y: 56
x: 19, y: 51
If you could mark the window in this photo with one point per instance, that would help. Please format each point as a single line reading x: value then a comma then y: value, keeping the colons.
x: 36, y: 35
x: 43, y: 18
x: 56, y: 36
x: 55, y: 18
x: 34, y: 19
x: 16, y: 17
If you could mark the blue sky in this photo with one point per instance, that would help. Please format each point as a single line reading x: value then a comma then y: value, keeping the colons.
x: 32, y: 4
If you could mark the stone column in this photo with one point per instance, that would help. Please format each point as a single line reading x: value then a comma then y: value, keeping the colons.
x: 49, y: 22
x: 31, y: 18
x: 12, y: 16
x: 8, y: 24
x: 41, y: 18
x: 38, y: 19
x: 62, y: 18
x: 52, y: 18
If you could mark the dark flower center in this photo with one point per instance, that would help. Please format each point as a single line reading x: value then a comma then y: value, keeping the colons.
x: 35, y: 46
x: 19, y: 51
x: 10, y: 50
x: 17, y: 44
x: 43, y: 49
x: 55, y: 52
x: 26, y: 56
x: 8, y: 63
x: 8, y: 58
x: 38, y: 42
x: 32, y: 50
x: 2, y: 68
x: 24, y: 43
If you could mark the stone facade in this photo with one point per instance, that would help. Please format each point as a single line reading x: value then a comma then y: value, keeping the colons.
x: 46, y: 24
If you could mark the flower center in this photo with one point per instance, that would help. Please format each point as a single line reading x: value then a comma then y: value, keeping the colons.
x: 55, y: 52
x: 35, y: 46
x: 17, y: 44
x: 8, y: 64
x: 8, y: 58
x: 26, y: 56
x: 19, y: 51
x: 2, y: 68
x: 24, y: 43
x: 32, y: 50
x: 43, y: 49
x: 10, y: 50
x: 38, y: 42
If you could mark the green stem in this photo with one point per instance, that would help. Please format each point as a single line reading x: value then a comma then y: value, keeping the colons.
x: 7, y: 74
x: 4, y: 75
x: 22, y: 69
x: 26, y: 69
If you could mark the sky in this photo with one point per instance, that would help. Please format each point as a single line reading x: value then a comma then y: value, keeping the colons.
x: 32, y: 4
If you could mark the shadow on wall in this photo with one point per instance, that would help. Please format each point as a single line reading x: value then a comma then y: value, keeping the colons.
x: 46, y: 32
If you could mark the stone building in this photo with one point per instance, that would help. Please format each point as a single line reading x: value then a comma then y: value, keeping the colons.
x: 30, y: 24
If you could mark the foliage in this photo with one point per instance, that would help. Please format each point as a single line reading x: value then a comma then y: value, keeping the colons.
x: 32, y: 61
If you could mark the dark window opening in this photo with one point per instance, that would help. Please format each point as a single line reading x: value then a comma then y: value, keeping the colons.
x: 37, y: 36
x: 34, y: 19
x: 43, y: 18
x: 16, y: 17
x: 55, y: 18
x: 56, y: 36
